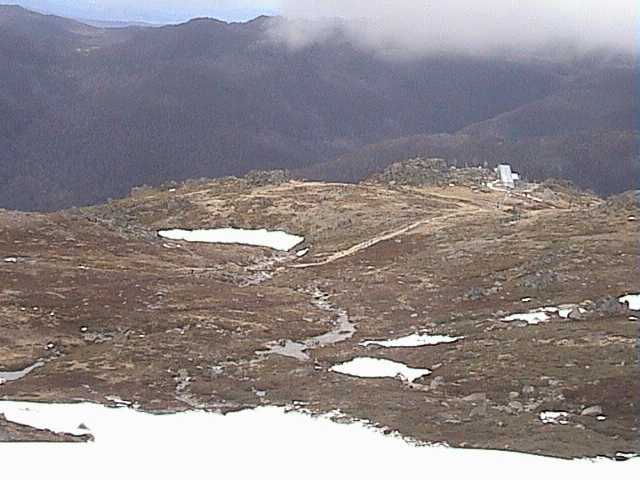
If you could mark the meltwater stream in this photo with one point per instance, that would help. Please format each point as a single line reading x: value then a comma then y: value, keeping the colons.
x: 13, y: 376
x: 344, y: 328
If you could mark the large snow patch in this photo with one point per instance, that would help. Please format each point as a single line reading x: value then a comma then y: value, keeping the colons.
x: 257, y: 238
x: 261, y: 443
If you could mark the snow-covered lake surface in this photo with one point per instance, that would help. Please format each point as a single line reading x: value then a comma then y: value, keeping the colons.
x: 261, y: 443
x: 415, y: 340
x: 633, y: 301
x: 366, y: 367
x: 276, y: 240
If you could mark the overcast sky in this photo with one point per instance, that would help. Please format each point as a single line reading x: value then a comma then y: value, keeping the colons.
x: 155, y: 10
x: 411, y: 25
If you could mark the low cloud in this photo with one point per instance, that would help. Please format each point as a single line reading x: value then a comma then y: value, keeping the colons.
x: 414, y: 27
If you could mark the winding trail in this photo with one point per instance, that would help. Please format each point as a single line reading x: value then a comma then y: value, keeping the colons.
x: 359, y: 247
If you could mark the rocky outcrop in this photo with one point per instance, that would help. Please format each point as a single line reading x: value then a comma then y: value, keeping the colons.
x: 431, y: 172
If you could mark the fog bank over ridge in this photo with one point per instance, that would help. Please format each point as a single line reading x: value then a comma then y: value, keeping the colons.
x: 414, y: 27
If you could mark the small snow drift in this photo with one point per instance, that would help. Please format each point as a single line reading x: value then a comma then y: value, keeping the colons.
x: 366, y: 367
x: 541, y: 315
x: 276, y: 240
x: 554, y: 418
x: 633, y: 301
x: 532, y: 318
x: 415, y: 340
x: 564, y: 311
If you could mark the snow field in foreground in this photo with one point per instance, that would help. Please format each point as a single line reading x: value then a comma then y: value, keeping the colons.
x: 261, y: 443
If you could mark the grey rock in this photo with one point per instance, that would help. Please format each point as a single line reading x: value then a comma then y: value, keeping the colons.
x: 474, y: 294
x: 261, y: 178
x: 436, y: 382
x: 431, y: 171
x: 516, y: 406
x: 476, y: 397
x: 593, y: 411
x: 609, y: 305
x: 479, y: 410
x: 477, y: 293
x: 530, y: 407
x: 576, y: 314
x: 539, y: 280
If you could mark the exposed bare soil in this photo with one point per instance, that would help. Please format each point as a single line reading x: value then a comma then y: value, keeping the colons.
x: 115, y: 311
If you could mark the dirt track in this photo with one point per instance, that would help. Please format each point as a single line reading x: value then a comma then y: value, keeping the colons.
x: 113, y: 310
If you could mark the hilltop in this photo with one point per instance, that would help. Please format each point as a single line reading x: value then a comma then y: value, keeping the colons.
x: 518, y: 291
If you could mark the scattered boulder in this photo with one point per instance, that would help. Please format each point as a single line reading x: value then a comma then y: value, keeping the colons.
x: 610, y: 305
x: 477, y: 293
x: 539, y: 280
x: 516, y: 406
x: 432, y: 172
x: 436, y: 383
x: 479, y: 410
x: 476, y: 397
x: 575, y: 314
x: 627, y: 201
x: 593, y: 411
x: 261, y: 178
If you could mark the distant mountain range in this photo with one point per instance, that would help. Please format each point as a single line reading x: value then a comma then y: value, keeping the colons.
x: 89, y: 112
x: 116, y: 23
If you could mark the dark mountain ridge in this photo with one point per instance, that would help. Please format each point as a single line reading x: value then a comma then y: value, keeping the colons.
x: 90, y: 112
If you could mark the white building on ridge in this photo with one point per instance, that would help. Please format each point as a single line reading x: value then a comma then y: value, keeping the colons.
x: 507, y: 177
